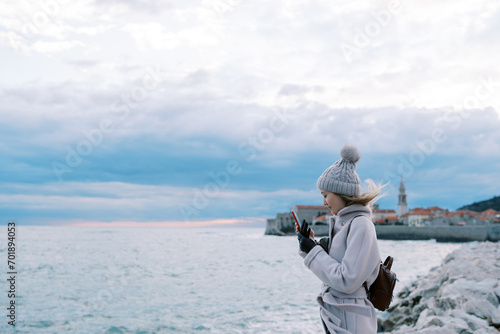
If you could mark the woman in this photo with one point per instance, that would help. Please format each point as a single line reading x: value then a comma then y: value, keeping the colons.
x: 350, y: 255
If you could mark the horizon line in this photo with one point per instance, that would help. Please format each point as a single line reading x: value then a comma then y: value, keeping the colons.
x: 230, y: 222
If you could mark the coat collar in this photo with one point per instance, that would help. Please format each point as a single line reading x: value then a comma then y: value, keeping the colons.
x: 349, y: 212
x: 346, y: 214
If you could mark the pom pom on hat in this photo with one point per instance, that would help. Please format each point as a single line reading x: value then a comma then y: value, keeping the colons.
x: 350, y: 153
x: 341, y: 177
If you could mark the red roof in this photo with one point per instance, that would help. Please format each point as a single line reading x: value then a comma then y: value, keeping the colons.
x: 490, y: 212
x: 420, y: 211
x: 320, y: 218
x: 470, y: 213
x: 461, y: 213
x: 435, y: 208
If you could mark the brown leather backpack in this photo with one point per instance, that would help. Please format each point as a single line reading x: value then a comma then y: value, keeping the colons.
x: 380, y: 292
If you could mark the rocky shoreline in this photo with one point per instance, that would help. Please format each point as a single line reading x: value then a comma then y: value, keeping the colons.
x: 460, y: 296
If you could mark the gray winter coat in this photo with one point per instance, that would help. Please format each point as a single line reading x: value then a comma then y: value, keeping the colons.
x: 354, y: 258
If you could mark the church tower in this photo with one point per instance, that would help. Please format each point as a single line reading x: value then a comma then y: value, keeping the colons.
x: 402, y: 206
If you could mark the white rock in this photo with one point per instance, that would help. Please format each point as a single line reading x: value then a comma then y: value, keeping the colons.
x: 456, y: 324
x: 459, y: 292
x: 436, y: 330
x: 430, y: 330
x: 486, y: 330
x: 426, y: 320
x: 473, y: 322
x: 495, y: 319
x: 404, y: 329
x: 497, y: 294
x: 480, y: 308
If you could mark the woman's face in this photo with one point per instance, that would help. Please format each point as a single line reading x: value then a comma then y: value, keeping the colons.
x: 332, y: 201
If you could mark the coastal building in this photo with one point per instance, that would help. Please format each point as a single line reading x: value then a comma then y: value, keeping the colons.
x: 402, y: 205
x: 436, y: 210
x: 491, y: 214
x: 382, y: 216
x: 311, y: 213
x: 321, y: 220
x: 462, y: 217
x: 285, y: 224
x: 419, y: 217
x: 434, y: 217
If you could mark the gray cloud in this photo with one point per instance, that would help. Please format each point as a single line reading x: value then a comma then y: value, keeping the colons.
x: 225, y: 75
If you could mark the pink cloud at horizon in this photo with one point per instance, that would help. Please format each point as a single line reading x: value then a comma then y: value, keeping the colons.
x: 201, y: 223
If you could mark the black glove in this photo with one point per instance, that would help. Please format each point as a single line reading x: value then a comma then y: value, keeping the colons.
x: 305, y: 230
x: 305, y: 244
x: 323, y: 242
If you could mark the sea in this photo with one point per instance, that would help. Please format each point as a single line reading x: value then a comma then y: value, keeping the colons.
x: 174, y: 280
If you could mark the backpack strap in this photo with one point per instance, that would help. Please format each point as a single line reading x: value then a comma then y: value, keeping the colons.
x: 350, y: 223
x: 365, y: 284
x: 333, y: 230
x: 388, y: 262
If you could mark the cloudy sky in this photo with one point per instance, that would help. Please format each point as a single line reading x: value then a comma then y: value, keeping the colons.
x: 192, y: 113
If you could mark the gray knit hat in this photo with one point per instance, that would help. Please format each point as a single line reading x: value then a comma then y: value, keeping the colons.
x: 341, y: 177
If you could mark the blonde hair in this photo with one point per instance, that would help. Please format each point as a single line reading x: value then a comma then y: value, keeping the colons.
x: 367, y: 198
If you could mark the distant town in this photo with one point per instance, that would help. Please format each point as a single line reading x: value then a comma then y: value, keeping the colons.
x: 432, y: 216
x: 418, y: 217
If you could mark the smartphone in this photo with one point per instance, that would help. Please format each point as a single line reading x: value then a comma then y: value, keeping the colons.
x: 297, y: 221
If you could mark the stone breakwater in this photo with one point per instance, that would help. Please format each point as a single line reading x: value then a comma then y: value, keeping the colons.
x: 440, y: 233
x: 461, y: 296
